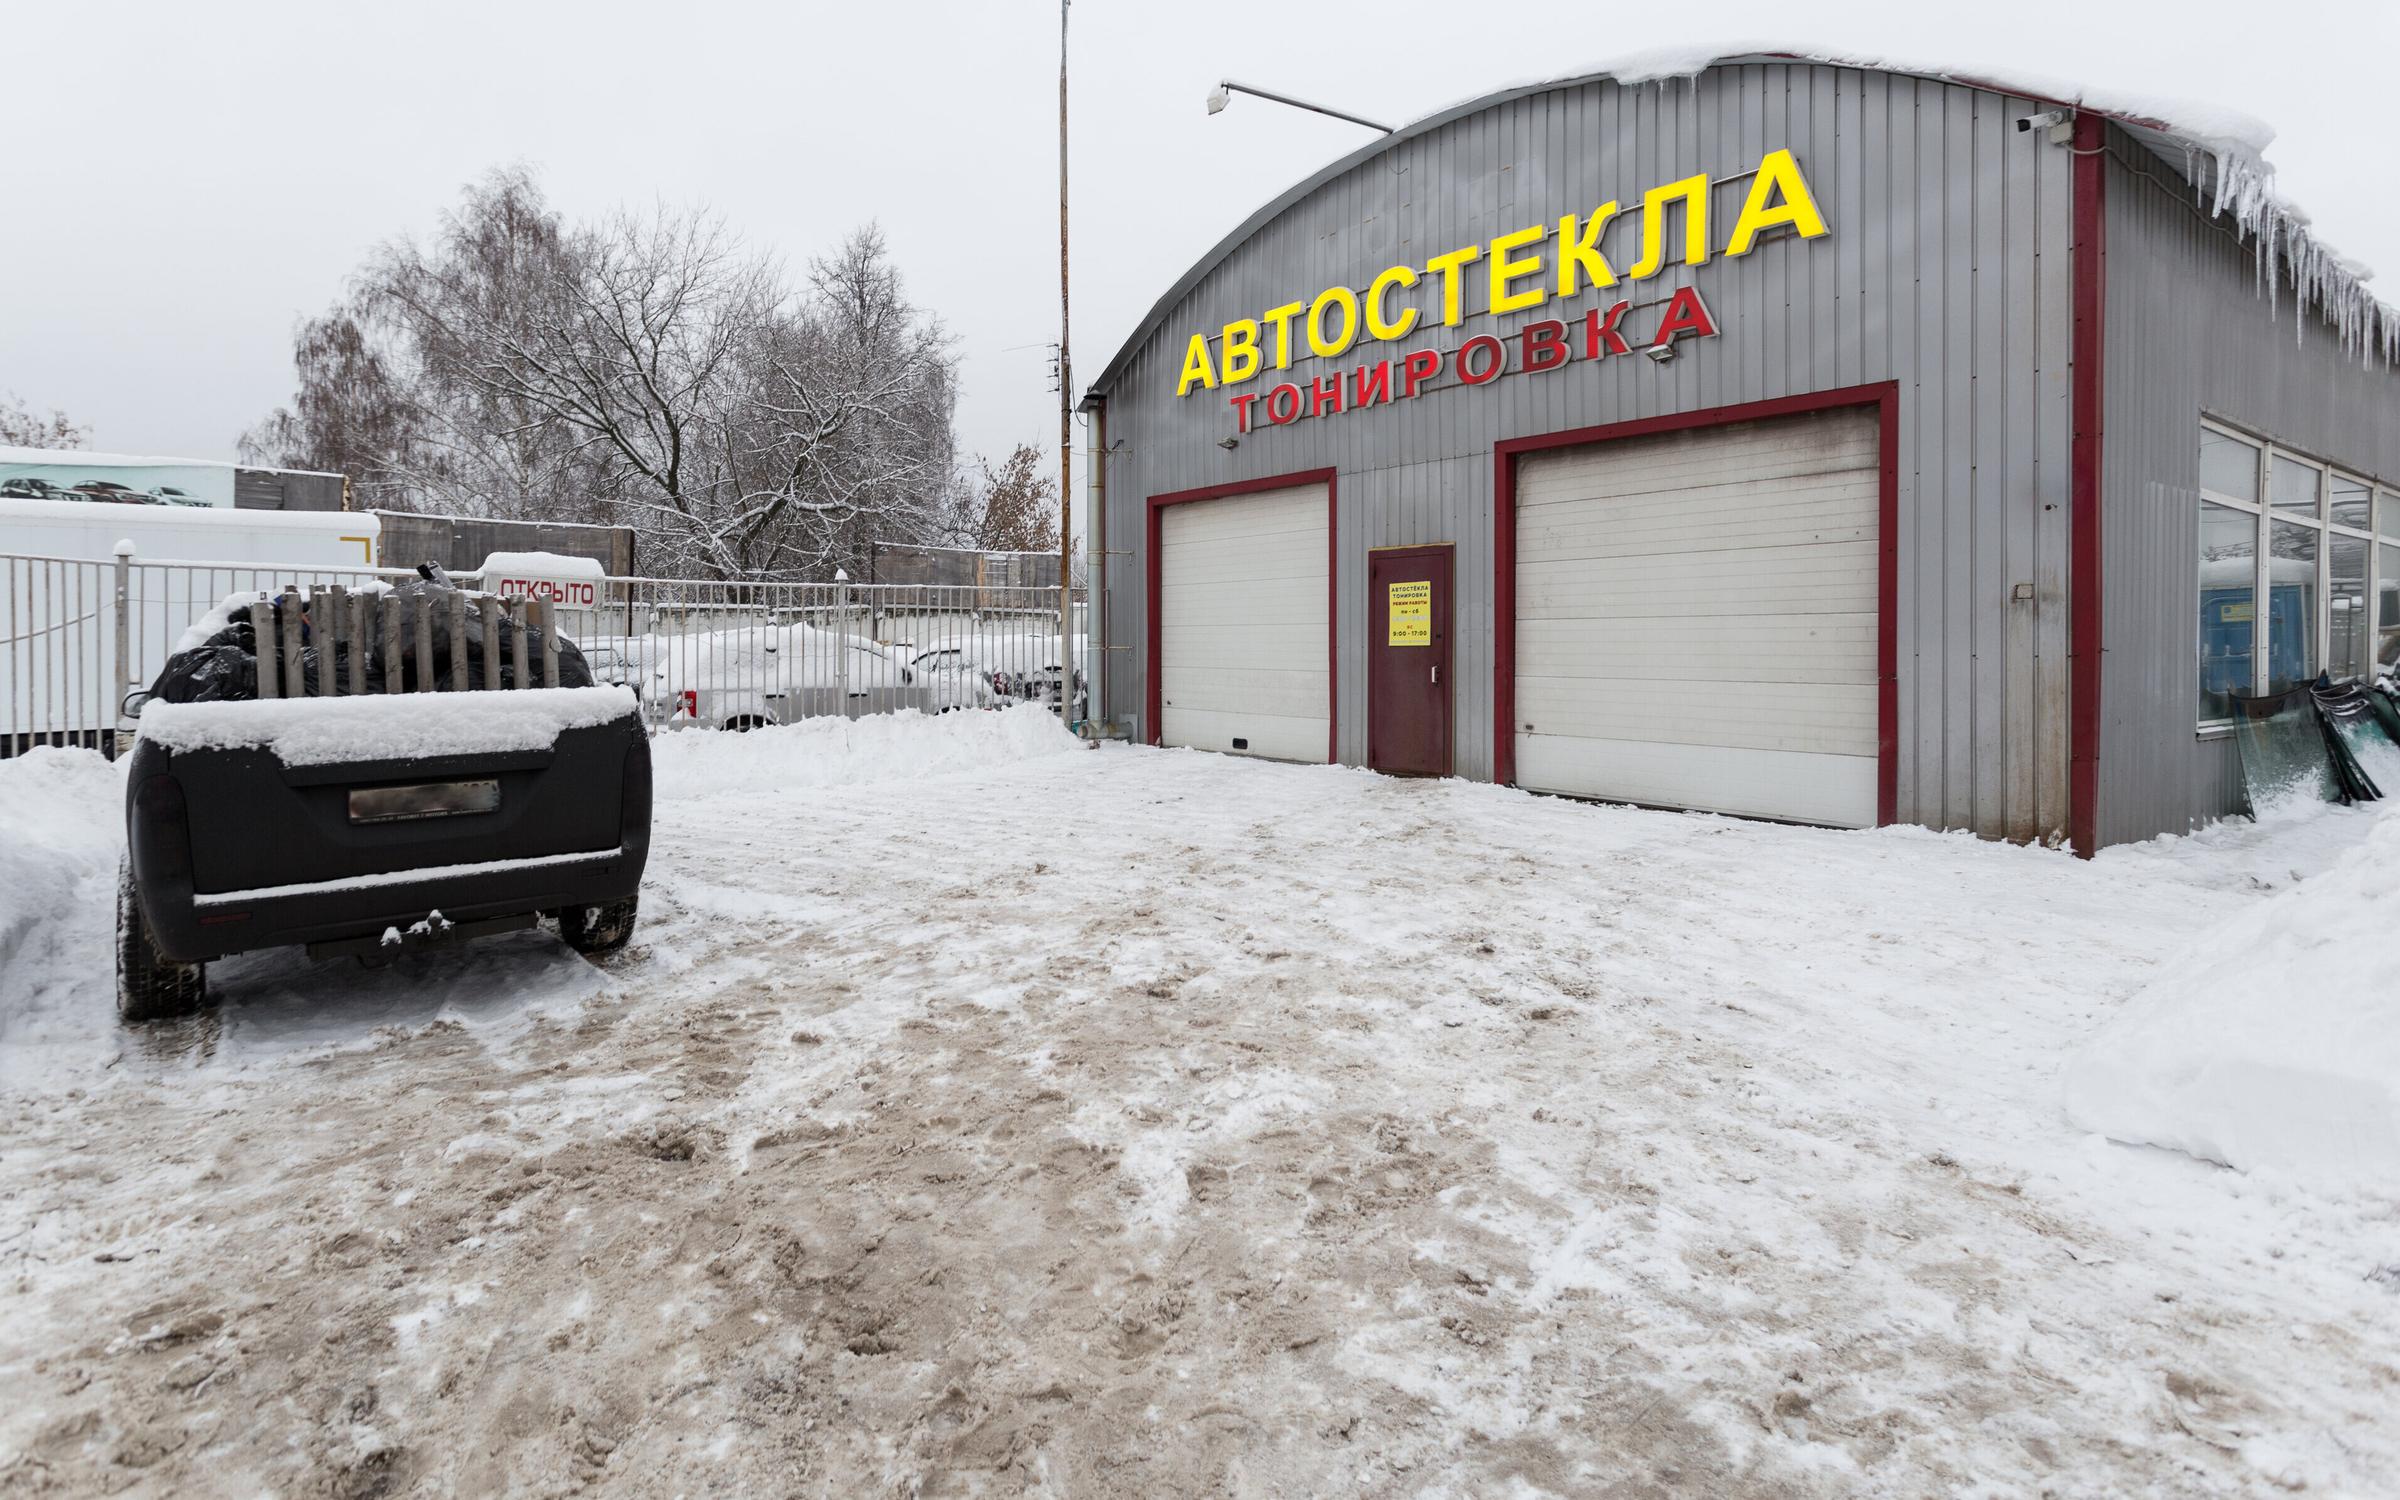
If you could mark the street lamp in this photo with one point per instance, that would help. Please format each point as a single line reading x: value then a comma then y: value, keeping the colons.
x: 1223, y: 94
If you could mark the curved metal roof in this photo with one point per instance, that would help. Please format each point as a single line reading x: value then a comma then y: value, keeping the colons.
x: 2152, y: 131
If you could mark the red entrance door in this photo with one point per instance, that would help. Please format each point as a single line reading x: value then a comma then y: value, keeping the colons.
x: 1408, y: 661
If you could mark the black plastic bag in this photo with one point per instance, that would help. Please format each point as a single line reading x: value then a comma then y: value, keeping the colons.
x: 224, y: 668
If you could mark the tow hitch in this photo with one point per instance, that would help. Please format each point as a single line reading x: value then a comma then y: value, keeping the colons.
x: 433, y: 930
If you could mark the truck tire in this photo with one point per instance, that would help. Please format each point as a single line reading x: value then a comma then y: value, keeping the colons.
x: 593, y: 930
x: 150, y: 986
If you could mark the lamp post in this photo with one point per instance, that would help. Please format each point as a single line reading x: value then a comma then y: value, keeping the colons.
x: 1066, y: 415
x: 1225, y: 91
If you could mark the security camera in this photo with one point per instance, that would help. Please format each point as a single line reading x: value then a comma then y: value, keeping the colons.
x: 2057, y: 122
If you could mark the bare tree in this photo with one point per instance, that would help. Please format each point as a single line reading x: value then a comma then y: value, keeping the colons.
x: 1016, y: 505
x: 645, y: 369
x: 494, y: 283
x: 850, y: 416
x: 349, y: 417
x: 22, y: 427
x: 621, y: 355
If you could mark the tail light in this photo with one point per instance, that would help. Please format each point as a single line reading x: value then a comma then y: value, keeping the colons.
x: 690, y: 699
x: 162, y: 828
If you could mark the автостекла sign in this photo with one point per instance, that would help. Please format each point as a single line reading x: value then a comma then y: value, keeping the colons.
x: 1523, y: 269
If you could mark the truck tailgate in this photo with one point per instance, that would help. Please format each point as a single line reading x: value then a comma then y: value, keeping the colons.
x: 258, y: 824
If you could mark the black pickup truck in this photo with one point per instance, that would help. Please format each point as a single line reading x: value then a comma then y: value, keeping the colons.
x: 374, y: 825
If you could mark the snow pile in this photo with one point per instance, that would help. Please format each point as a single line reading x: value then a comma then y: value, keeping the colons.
x: 391, y: 726
x: 62, y: 823
x: 904, y: 746
x: 2275, y: 1044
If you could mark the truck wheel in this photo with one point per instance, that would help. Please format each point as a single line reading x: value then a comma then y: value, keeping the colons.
x: 593, y: 930
x: 150, y: 986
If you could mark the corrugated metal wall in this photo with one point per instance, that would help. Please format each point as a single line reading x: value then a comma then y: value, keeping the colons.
x: 964, y: 567
x: 1946, y: 270
x: 461, y: 543
x: 2191, y: 333
x: 287, y: 489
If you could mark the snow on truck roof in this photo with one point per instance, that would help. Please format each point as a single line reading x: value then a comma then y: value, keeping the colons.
x: 126, y: 513
x: 73, y: 458
x: 2222, y: 152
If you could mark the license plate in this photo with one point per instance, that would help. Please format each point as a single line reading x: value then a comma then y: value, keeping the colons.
x: 433, y: 799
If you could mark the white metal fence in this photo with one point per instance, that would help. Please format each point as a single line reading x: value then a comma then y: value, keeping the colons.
x: 77, y: 636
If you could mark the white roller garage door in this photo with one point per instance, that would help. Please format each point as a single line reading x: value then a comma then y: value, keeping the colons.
x: 1696, y: 619
x: 1242, y: 624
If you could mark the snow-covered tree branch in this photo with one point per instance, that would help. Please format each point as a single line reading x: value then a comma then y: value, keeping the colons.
x: 646, y: 370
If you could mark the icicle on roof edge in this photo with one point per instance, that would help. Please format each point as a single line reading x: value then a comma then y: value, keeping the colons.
x: 2224, y: 152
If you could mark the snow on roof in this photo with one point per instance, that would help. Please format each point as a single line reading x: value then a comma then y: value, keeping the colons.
x: 2211, y: 123
x: 541, y: 565
x: 122, y: 513
x: 2223, y: 151
x: 2231, y: 144
x: 78, y: 458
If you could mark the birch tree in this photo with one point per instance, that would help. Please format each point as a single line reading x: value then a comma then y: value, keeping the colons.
x: 646, y: 369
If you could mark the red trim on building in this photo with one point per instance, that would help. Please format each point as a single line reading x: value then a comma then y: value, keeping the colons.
x: 1885, y: 397
x: 1333, y: 589
x: 2088, y: 295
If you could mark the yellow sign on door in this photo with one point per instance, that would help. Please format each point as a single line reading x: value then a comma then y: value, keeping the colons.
x: 1412, y: 613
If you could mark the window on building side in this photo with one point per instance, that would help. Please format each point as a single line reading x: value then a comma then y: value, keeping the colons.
x: 2292, y: 655
x: 2228, y: 575
x: 2299, y: 571
x: 2387, y: 595
x: 2347, y: 625
x: 2298, y: 483
x: 2228, y: 466
x: 2353, y: 501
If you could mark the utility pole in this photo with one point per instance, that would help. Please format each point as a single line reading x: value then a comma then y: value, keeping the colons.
x: 1066, y: 415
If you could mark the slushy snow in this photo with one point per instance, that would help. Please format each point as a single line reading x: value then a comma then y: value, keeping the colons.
x: 2274, y: 1043
x: 976, y: 1111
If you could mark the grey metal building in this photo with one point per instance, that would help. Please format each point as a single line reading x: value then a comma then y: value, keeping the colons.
x: 1873, y: 451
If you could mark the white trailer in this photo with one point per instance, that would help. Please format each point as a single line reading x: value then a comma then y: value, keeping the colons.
x: 65, y: 660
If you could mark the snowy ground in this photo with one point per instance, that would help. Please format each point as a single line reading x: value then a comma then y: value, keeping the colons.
x: 988, y: 1116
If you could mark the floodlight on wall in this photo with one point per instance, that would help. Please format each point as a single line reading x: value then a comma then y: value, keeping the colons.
x: 1659, y: 354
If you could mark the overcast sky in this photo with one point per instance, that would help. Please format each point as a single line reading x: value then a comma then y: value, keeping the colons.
x: 188, y: 180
